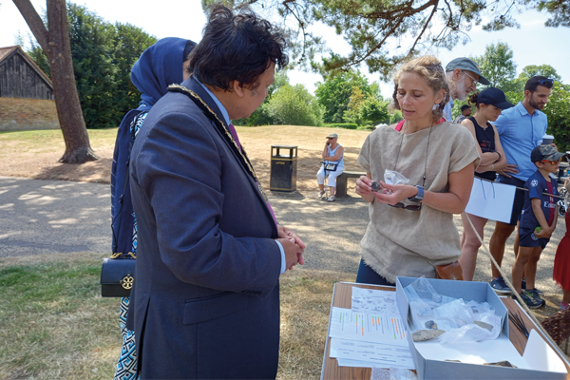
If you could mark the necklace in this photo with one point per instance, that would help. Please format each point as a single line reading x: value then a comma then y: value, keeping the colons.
x: 427, y: 151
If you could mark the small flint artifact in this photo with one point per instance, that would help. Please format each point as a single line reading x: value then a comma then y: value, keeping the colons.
x: 431, y: 325
x: 375, y: 186
x: 484, y: 325
x: 422, y: 335
x: 504, y: 363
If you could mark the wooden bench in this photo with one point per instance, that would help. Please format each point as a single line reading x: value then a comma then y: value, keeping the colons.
x: 342, y: 182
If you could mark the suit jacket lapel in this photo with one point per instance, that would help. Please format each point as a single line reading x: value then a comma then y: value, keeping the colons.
x: 194, y: 86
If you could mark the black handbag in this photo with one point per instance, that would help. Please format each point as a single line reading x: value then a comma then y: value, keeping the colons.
x: 117, y: 277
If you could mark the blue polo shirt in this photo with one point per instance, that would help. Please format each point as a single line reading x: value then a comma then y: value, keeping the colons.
x: 537, y: 186
x: 520, y: 133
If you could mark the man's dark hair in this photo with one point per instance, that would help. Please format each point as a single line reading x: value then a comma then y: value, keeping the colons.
x: 464, y: 107
x: 533, y: 83
x: 236, y: 47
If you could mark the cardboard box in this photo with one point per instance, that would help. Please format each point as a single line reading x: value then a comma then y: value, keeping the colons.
x: 539, y: 361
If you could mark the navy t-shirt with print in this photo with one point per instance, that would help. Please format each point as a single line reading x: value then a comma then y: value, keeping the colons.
x: 536, y: 186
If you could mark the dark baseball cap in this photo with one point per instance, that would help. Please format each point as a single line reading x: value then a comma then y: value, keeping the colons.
x: 495, y: 97
x: 464, y: 63
x: 545, y: 152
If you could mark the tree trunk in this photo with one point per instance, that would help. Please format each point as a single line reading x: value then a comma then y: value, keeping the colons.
x: 56, y: 45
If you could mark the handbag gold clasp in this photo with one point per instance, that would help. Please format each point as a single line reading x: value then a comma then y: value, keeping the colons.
x: 127, y: 282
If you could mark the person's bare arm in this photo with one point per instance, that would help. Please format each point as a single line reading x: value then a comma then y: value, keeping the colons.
x: 338, y: 154
x: 539, y: 215
x: 325, y: 151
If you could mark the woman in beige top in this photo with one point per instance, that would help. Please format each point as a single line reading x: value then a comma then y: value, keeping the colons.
x: 411, y: 229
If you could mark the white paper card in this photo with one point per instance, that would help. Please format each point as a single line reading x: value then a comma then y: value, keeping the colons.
x: 382, y: 355
x: 491, y: 200
x: 485, y: 351
x: 367, y: 327
x: 541, y: 356
x: 380, y: 302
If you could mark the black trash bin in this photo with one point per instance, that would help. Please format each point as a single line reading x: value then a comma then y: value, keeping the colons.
x: 283, y: 168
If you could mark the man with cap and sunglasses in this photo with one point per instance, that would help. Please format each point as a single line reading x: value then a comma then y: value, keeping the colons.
x: 462, y: 76
x: 521, y: 129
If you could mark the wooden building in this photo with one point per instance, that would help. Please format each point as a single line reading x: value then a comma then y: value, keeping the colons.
x: 26, y: 93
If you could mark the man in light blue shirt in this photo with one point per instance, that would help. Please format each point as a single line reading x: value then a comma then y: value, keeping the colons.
x: 521, y: 129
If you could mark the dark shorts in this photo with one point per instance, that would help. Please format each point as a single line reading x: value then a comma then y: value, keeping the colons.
x: 519, y: 197
x: 526, y: 239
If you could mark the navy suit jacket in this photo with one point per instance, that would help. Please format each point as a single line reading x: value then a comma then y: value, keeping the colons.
x: 206, y: 294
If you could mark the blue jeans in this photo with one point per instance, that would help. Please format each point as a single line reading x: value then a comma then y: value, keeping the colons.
x: 367, y: 275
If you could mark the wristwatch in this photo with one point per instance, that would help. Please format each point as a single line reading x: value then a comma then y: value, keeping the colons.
x: 419, y: 196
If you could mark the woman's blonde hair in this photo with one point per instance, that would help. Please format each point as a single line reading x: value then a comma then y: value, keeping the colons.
x: 431, y: 70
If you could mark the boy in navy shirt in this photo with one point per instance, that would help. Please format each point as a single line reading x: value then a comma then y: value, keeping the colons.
x: 537, y: 223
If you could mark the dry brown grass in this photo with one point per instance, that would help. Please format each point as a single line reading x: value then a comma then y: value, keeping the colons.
x: 34, y: 154
x: 305, y: 304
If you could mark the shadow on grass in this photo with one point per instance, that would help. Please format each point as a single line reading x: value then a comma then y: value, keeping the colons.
x: 94, y: 171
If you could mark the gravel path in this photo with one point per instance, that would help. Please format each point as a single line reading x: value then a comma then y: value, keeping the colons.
x: 47, y: 217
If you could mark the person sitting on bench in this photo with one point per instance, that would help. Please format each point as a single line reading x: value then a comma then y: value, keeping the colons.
x: 333, y: 165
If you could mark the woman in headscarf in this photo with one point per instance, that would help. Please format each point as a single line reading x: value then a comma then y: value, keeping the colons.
x: 159, y: 66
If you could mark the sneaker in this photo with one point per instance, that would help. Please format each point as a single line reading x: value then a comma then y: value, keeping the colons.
x: 563, y: 306
x: 498, y: 285
x: 321, y: 193
x: 536, y: 295
x: 331, y: 198
x: 523, y: 287
x: 531, y: 302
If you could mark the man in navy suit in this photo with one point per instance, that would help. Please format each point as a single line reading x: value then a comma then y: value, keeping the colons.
x: 206, y: 294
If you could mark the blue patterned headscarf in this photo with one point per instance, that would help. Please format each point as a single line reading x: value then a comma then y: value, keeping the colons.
x: 158, y: 67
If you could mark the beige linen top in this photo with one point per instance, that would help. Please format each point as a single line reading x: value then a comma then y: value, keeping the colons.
x: 401, y: 242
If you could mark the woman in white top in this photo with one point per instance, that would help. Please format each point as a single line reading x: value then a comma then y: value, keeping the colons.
x: 333, y: 166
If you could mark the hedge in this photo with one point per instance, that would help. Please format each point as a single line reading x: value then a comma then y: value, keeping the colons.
x: 342, y: 125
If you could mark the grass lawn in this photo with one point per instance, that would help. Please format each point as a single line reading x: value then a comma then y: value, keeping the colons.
x: 35, y: 154
x: 56, y: 325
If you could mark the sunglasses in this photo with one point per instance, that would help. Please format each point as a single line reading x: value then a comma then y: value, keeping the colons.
x: 551, y: 162
x: 408, y: 207
x: 546, y: 82
x: 331, y: 138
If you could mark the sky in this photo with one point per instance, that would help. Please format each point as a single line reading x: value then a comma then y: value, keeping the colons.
x: 532, y: 44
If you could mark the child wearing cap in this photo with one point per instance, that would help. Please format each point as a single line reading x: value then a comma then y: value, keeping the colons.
x: 537, y: 223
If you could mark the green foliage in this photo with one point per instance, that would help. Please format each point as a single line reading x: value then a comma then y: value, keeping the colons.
x: 373, y: 28
x: 557, y: 111
x: 335, y: 93
x: 261, y: 115
x: 294, y: 105
x: 342, y: 125
x: 128, y: 42
x: 559, y: 11
x: 91, y: 41
x: 532, y: 70
x: 497, y: 65
x: 103, y: 55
